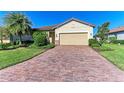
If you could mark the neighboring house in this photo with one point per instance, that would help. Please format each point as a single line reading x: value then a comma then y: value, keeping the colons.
x: 6, y: 39
x: 117, y: 32
x: 70, y: 32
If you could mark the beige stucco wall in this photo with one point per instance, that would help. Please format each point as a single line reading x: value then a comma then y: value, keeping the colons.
x: 74, y: 27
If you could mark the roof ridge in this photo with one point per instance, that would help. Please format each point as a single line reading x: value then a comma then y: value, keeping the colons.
x: 52, y: 27
x: 75, y: 20
x: 117, y: 29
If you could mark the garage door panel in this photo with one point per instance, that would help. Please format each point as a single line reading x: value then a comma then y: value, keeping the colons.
x: 73, y: 39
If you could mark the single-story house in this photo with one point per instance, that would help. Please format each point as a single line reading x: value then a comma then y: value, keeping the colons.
x: 117, y: 32
x: 70, y: 32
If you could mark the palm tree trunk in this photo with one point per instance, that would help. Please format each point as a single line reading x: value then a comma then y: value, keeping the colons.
x: 20, y: 39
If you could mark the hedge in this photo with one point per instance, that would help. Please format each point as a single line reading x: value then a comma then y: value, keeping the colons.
x: 118, y: 41
x: 93, y: 43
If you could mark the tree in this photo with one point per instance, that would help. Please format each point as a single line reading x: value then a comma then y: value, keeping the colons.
x: 102, y: 33
x: 18, y: 24
x: 40, y: 38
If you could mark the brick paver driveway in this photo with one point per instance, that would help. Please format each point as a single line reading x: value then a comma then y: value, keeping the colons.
x: 64, y: 63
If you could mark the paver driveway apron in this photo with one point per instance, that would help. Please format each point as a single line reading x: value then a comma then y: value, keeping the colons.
x: 64, y: 63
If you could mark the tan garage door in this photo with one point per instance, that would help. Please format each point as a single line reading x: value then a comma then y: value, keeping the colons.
x: 74, y: 39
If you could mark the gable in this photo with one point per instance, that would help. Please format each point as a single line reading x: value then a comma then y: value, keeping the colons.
x: 73, y: 19
x: 74, y: 26
x: 71, y: 23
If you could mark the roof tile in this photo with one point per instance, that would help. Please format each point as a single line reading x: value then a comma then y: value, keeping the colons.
x: 119, y: 29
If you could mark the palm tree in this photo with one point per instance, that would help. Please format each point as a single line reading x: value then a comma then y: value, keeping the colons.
x: 18, y: 24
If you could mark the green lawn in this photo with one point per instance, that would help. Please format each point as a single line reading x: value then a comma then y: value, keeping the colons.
x: 116, y: 56
x: 11, y: 57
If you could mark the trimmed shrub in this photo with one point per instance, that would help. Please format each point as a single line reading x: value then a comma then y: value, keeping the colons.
x: 111, y: 39
x: 49, y: 46
x: 40, y: 38
x: 8, y: 46
x: 5, y: 46
x: 93, y: 42
x: 95, y: 45
x: 118, y: 42
x: 103, y: 48
x: 26, y: 43
x: 1, y: 46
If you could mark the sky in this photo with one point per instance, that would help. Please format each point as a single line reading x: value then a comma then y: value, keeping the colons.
x: 46, y: 18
